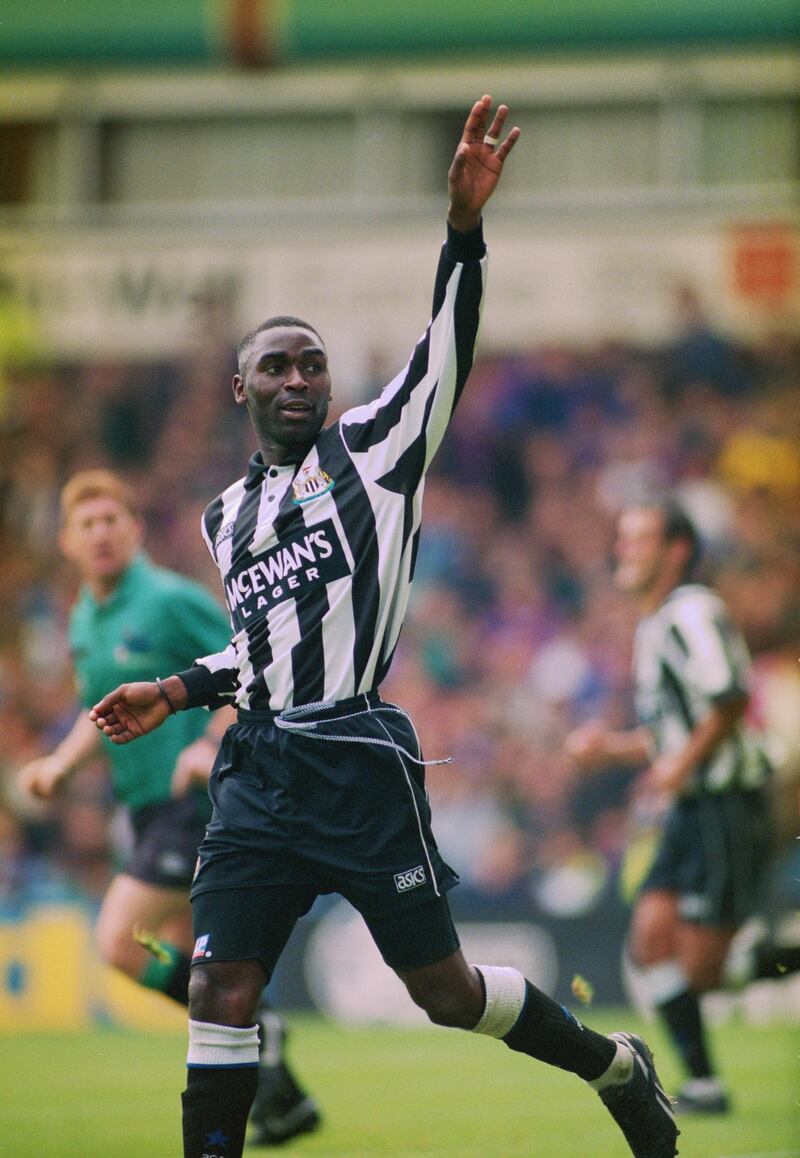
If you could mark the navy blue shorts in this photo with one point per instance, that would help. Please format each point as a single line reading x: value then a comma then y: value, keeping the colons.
x: 297, y: 816
x: 166, y: 837
x: 714, y: 853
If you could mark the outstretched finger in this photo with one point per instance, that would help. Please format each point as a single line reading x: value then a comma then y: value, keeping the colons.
x: 105, y: 707
x: 495, y: 130
x: 508, y: 144
x: 475, y: 125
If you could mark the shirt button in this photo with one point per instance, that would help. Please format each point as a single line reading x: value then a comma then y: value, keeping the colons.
x: 271, y: 499
x: 273, y: 473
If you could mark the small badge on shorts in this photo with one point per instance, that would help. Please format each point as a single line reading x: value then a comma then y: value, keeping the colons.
x: 201, y: 948
x: 411, y: 879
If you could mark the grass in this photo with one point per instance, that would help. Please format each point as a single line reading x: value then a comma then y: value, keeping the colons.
x: 397, y: 1093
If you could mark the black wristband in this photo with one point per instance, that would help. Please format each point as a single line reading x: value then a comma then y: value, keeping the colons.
x: 163, y: 691
x: 200, y: 686
x: 468, y: 246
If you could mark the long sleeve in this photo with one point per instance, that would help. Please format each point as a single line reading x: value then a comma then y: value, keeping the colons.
x: 403, y: 428
x: 211, y: 681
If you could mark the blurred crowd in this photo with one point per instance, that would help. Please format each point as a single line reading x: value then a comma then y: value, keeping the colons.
x: 515, y: 632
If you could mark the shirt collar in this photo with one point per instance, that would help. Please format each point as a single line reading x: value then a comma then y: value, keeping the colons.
x: 127, y: 581
x: 257, y: 468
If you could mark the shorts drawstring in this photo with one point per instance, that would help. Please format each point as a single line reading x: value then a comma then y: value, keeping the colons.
x: 292, y: 720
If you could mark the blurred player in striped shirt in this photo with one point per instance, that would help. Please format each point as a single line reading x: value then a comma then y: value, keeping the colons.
x: 707, y: 771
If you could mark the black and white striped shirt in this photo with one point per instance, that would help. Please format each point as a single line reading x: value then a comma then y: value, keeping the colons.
x: 317, y: 558
x: 689, y: 656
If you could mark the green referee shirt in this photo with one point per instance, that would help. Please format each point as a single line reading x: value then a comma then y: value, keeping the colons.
x: 156, y: 622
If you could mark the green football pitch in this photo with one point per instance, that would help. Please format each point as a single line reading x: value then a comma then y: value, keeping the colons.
x: 415, y: 1093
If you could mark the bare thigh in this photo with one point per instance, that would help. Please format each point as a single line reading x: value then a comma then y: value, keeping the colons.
x: 658, y: 933
x: 652, y: 936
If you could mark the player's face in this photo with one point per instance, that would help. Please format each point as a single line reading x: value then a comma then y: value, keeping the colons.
x: 641, y: 551
x: 286, y: 386
x: 101, y: 537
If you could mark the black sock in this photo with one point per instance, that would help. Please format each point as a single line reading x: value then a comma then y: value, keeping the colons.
x: 684, y: 1022
x: 216, y: 1103
x: 773, y: 961
x: 177, y: 987
x: 549, y: 1032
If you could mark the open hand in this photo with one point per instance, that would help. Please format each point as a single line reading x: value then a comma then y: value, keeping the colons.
x: 130, y: 711
x: 478, y: 163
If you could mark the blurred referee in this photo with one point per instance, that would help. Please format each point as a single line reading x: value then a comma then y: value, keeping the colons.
x: 130, y: 621
x: 319, y: 786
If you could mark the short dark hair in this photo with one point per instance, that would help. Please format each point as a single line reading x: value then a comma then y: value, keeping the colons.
x: 277, y: 322
x: 678, y: 527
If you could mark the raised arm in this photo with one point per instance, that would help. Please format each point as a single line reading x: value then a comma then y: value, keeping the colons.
x: 406, y: 423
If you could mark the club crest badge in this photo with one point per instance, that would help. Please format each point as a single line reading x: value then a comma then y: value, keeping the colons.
x: 311, y: 482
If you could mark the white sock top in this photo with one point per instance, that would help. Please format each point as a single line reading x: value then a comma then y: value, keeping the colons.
x: 222, y: 1046
x: 505, y: 999
x: 618, y: 1072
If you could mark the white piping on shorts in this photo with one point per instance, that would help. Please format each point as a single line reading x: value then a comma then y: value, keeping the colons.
x: 425, y: 849
x: 291, y: 720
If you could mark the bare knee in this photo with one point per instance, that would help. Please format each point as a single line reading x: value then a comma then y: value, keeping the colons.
x: 118, y: 948
x: 452, y: 997
x: 650, y: 946
x: 703, y: 951
x: 445, y: 1008
x: 226, y: 993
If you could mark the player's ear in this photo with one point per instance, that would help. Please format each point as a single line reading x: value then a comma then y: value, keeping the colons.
x: 239, y: 391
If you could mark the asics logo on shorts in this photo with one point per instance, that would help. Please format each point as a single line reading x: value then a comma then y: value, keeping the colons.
x: 411, y: 879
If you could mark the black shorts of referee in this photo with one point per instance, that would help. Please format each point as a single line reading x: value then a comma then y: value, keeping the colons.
x: 166, y: 837
x: 296, y: 816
